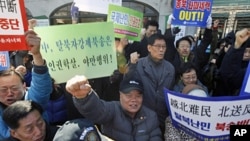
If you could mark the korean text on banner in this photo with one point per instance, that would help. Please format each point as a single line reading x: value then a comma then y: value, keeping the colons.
x: 13, y: 24
x: 207, y: 118
x: 127, y: 22
x: 79, y: 49
x: 192, y: 12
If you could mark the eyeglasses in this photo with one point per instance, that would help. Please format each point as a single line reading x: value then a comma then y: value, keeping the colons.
x: 160, y: 46
x: 12, y: 89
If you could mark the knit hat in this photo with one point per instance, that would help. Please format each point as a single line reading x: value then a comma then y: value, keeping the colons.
x: 77, y: 130
x: 195, y: 90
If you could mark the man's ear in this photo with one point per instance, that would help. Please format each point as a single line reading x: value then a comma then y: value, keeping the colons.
x: 24, y: 86
x: 149, y: 48
x: 181, y: 78
x: 13, y: 133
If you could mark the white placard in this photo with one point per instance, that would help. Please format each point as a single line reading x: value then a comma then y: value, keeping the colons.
x: 96, y: 6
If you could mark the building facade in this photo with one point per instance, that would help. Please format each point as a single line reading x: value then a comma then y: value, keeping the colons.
x: 233, y: 15
x: 58, y: 11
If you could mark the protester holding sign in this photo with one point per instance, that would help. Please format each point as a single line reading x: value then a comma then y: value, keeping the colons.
x: 181, y: 52
x: 21, y: 60
x: 115, y: 79
x: 13, y: 88
x: 151, y: 28
x: 120, y: 45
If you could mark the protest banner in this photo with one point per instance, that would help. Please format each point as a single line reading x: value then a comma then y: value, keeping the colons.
x: 127, y: 22
x: 4, y: 60
x: 13, y: 25
x: 207, y: 118
x: 96, y: 6
x: 245, y: 89
x: 78, y: 49
x: 191, y: 12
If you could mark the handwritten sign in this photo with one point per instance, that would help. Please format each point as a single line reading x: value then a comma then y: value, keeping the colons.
x: 13, y: 24
x: 207, y: 118
x: 4, y: 60
x: 96, y: 6
x: 191, y: 12
x: 79, y: 49
x: 127, y: 22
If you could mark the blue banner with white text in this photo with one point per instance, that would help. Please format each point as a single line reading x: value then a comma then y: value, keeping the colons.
x: 245, y: 89
x: 192, y: 12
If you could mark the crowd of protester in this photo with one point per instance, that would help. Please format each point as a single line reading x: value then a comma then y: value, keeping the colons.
x: 129, y: 105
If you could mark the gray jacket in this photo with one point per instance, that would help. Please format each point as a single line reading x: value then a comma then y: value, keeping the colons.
x: 153, y: 96
x: 116, y: 124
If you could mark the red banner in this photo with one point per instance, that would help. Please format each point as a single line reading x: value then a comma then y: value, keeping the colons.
x: 13, y: 24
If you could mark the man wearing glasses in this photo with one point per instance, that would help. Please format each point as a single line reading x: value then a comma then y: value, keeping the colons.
x: 13, y: 88
x: 156, y: 73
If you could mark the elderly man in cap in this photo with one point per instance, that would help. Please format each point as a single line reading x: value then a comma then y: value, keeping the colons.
x: 127, y: 120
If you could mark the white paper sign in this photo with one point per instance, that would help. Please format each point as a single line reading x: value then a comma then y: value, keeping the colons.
x: 96, y: 6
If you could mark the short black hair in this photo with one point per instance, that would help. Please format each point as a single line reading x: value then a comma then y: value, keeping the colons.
x: 186, y: 68
x: 185, y: 38
x: 19, y: 110
x: 190, y: 37
x: 152, y: 23
x: 152, y: 38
